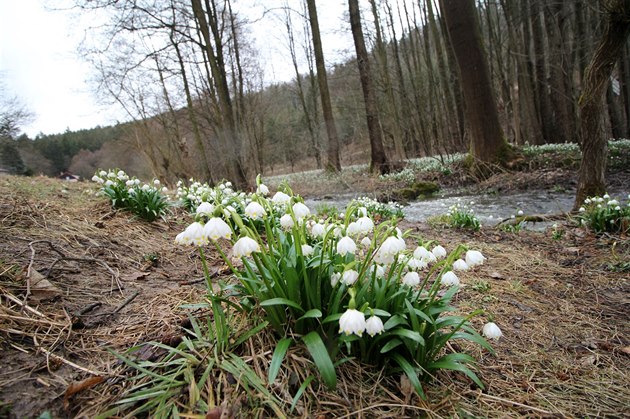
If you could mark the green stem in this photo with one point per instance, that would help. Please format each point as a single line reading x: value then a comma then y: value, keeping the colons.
x: 206, y: 273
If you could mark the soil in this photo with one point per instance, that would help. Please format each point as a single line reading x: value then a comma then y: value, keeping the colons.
x: 79, y: 282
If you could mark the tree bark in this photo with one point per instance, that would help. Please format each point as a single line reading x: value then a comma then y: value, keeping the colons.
x: 487, y: 141
x: 379, y: 161
x: 333, y: 164
x: 593, y: 138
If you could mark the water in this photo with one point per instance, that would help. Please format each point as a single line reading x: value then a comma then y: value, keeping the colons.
x: 489, y: 208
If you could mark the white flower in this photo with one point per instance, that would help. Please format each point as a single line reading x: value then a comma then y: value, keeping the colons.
x: 411, y: 279
x: 449, y: 279
x: 366, y: 225
x: 460, y: 265
x: 164, y: 189
x: 307, y: 250
x: 97, y: 179
x: 352, y: 321
x: 318, y: 230
x: 300, y: 210
x: 366, y: 242
x: 474, y: 258
x: 193, y: 234
x: 245, y: 246
x: 362, y: 211
x: 374, y: 326
x: 377, y: 270
x: 617, y: 208
x: 439, y: 252
x: 349, y: 277
x: 492, y: 331
x: 422, y: 253
x: 205, y: 208
x: 286, y: 222
x: 280, y: 198
x: 255, y: 211
x: 606, y: 196
x: 353, y: 229
x: 390, y: 247
x: 108, y: 182
x: 102, y: 173
x: 156, y: 182
x: 262, y: 189
x: 519, y: 213
x: 613, y: 202
x: 582, y: 209
x: 416, y: 264
x: 346, y: 245
x: 216, y: 228
x: 146, y: 187
x: 334, y: 278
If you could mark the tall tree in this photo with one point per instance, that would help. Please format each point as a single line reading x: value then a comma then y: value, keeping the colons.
x: 488, y: 143
x: 378, y: 159
x: 593, y: 138
x: 333, y: 162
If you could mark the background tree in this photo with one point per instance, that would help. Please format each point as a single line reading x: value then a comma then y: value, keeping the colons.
x: 333, y: 163
x: 487, y: 143
x: 379, y: 161
x: 593, y: 138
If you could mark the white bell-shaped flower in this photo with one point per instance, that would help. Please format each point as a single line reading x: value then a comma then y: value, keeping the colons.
x: 300, y: 210
x: 349, y: 277
x: 460, y: 265
x: 352, y: 322
x: 216, y: 228
x: 205, y: 208
x: 255, y: 211
x: 449, y: 279
x: 280, y: 198
x: 307, y: 250
x: 374, y: 326
x: 492, y: 331
x: 346, y: 245
x: 245, y: 246
x: 474, y: 258
x: 286, y: 222
x: 411, y: 279
x: 439, y: 252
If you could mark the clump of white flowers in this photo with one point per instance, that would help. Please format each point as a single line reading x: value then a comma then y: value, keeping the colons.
x: 605, y: 214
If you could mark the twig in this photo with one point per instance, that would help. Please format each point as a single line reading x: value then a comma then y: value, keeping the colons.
x: 32, y: 260
x: 110, y: 313
x: 70, y: 363
x: 534, y: 218
x: 87, y: 308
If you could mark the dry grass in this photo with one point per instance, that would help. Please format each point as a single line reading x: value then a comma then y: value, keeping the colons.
x: 564, y: 315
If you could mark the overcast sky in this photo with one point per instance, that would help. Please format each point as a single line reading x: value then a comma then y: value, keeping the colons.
x: 39, y: 63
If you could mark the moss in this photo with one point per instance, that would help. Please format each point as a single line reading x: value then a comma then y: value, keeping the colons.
x: 416, y: 190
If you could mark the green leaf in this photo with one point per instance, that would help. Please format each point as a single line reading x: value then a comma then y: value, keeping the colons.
x: 452, y: 362
x: 320, y: 355
x: 300, y: 391
x: 394, y: 321
x: 410, y: 334
x: 391, y: 345
x: 411, y: 373
x: 278, y: 356
x: 281, y: 301
x: 311, y: 314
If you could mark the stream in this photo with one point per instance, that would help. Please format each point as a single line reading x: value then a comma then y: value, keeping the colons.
x: 489, y: 208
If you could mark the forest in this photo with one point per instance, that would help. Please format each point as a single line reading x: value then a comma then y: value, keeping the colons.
x: 192, y: 96
x: 435, y: 226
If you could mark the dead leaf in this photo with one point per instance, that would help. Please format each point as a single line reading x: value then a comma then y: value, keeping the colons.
x: 214, y: 413
x: 496, y: 275
x: 41, y: 288
x: 572, y: 250
x: 77, y: 387
x: 626, y: 350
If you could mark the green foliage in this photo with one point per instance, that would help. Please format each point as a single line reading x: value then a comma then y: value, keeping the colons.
x: 326, y: 210
x: 462, y: 216
x: 605, y: 215
x: 371, y: 301
x: 145, y: 201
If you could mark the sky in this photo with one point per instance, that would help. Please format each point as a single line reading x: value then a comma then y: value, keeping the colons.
x: 39, y: 63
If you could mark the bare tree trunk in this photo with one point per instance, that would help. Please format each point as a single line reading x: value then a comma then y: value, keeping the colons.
x: 379, y: 161
x: 487, y: 141
x: 333, y: 163
x: 596, y: 78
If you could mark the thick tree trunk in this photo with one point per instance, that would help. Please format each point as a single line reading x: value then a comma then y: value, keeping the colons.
x: 333, y: 163
x: 379, y: 161
x: 591, y: 106
x: 487, y: 141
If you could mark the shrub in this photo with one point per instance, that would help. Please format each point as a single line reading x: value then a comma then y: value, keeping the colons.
x: 463, y: 216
